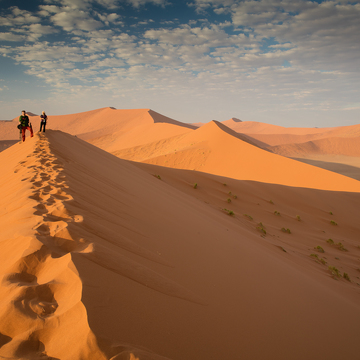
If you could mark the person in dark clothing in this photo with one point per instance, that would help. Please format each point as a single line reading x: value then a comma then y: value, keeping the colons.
x: 43, y: 118
x: 25, y: 125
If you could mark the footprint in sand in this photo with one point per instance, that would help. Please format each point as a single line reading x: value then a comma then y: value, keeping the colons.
x: 36, y: 300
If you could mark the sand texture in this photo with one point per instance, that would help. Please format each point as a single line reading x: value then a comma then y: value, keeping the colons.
x: 189, y: 244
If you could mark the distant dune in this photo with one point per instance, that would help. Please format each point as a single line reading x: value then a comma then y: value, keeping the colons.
x: 273, y: 135
x: 106, y: 259
x: 335, y: 146
x: 215, y: 149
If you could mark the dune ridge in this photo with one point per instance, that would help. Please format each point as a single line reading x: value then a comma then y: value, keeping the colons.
x: 327, y: 146
x: 216, y: 149
x: 41, y: 288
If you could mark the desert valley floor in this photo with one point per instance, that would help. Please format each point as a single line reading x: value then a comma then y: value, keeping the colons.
x: 145, y: 238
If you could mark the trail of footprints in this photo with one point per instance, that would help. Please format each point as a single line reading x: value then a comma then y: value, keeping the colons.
x: 35, y: 290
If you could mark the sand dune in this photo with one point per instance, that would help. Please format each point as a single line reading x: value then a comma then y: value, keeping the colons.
x: 334, y: 146
x: 277, y: 135
x: 206, y: 245
x: 108, y: 127
x: 215, y: 149
x: 97, y: 254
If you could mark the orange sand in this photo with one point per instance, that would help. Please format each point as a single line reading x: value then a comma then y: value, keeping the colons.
x: 102, y: 258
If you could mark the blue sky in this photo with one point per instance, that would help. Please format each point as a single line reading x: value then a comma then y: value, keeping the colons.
x: 285, y: 62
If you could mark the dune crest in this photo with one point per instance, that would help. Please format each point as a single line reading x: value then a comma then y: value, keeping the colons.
x: 216, y: 149
x: 41, y: 287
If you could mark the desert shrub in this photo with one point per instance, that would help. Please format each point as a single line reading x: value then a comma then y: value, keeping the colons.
x: 276, y: 213
x: 248, y: 216
x: 346, y: 276
x: 334, y: 271
x: 229, y: 200
x: 260, y: 228
x: 332, y: 222
x: 330, y: 241
x: 286, y: 230
x: 319, y: 249
x: 230, y: 212
x: 340, y: 246
x: 298, y: 218
x: 195, y: 186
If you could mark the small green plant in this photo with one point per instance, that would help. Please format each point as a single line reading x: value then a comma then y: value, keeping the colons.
x: 158, y: 176
x: 261, y: 228
x: 298, y: 218
x: 318, y: 260
x: 286, y: 230
x: 332, y: 222
x: 234, y: 197
x: 276, y: 213
x: 229, y: 200
x: 330, y: 241
x: 334, y: 271
x: 271, y: 202
x: 230, y: 193
x: 230, y: 212
x: 248, y: 216
x: 340, y: 246
x: 346, y: 276
x: 319, y: 249
x: 330, y: 213
x: 224, y: 184
x: 195, y: 186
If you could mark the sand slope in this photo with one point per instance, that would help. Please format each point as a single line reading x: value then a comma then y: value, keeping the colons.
x: 333, y: 146
x: 107, y: 127
x: 96, y: 253
x: 277, y: 135
x: 215, y: 149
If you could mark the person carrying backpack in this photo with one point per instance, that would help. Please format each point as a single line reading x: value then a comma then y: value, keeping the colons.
x: 25, y: 125
x: 43, y: 118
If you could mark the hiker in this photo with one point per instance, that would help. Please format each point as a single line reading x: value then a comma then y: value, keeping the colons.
x: 43, y: 118
x: 25, y: 125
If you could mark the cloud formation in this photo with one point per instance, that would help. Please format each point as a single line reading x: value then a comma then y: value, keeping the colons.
x: 299, y: 51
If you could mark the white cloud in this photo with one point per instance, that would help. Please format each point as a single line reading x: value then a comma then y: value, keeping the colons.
x: 18, y: 17
x: 46, y: 10
x: 186, y: 35
x: 138, y: 3
x: 75, y: 20
x: 72, y: 4
x: 7, y: 36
